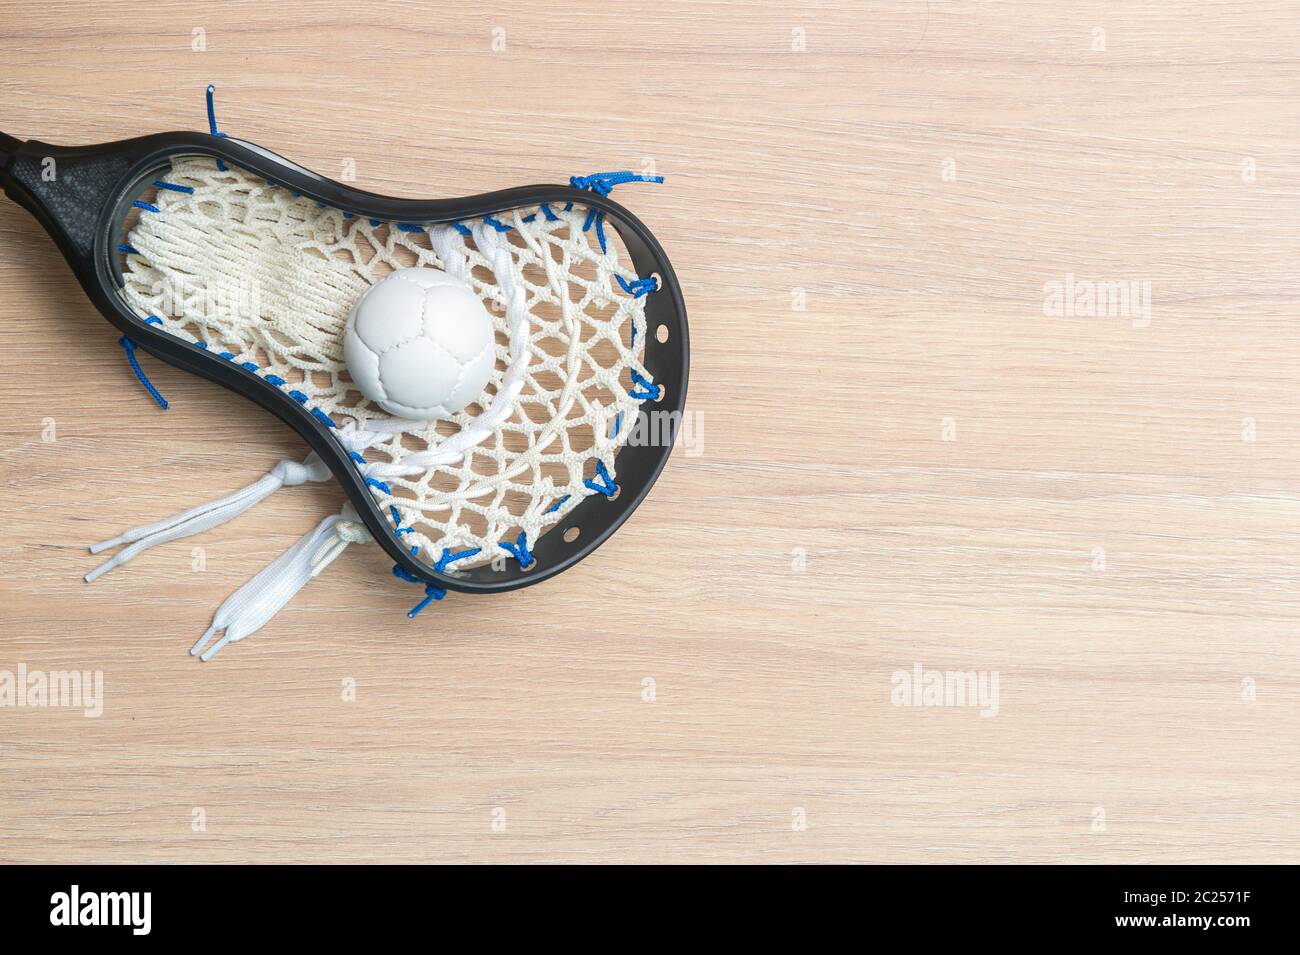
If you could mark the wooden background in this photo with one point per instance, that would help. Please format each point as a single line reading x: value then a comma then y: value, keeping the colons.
x: 865, y: 203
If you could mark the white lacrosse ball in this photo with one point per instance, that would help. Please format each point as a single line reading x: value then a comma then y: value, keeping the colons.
x: 420, y: 344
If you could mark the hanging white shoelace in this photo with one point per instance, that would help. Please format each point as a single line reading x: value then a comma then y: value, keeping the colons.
x: 206, y: 516
x: 249, y: 608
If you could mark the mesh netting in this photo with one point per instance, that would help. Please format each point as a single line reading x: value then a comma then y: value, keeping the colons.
x: 266, y: 279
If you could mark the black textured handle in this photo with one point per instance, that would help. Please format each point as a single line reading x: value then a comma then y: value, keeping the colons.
x: 67, y: 188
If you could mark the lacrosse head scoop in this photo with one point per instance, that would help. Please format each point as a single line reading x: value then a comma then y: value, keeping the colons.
x: 495, y: 381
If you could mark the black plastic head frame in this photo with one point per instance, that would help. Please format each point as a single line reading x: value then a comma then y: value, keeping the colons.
x: 80, y: 194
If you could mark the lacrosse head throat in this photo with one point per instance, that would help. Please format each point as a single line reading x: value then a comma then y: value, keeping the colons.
x: 591, y: 334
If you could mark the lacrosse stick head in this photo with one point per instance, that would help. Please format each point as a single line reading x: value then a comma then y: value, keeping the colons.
x: 226, y: 260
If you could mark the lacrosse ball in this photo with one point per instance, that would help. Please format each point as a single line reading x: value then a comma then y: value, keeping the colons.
x: 420, y: 344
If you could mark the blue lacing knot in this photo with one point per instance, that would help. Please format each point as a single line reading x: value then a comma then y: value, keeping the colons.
x: 398, y: 529
x: 146, y: 206
x: 128, y: 249
x: 638, y: 287
x: 497, y: 224
x: 212, y: 120
x: 449, y: 558
x: 518, y: 550
x: 129, y: 346
x: 432, y: 592
x: 649, y: 390
x: 602, y: 184
x: 557, y: 505
x: 606, y: 485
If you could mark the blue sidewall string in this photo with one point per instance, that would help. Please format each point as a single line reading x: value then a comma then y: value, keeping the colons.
x: 212, y: 120
x: 129, y: 347
x: 602, y: 184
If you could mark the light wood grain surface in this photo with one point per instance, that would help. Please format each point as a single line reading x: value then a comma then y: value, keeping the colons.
x: 906, y: 459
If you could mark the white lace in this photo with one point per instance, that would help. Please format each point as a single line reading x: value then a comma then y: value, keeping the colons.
x: 249, y: 608
x: 207, y: 516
